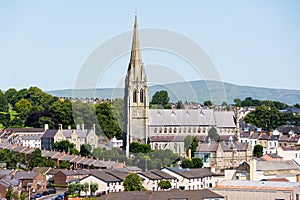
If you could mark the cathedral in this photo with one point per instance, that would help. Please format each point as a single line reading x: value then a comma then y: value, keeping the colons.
x: 162, y: 128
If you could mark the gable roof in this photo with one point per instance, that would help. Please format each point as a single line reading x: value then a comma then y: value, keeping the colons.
x: 163, y: 195
x: 49, y: 134
x: 262, y: 165
x: 191, y: 173
x: 207, y: 147
x: 26, y: 175
x: 191, y: 117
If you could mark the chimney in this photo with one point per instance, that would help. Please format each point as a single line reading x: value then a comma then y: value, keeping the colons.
x: 77, y: 126
x: 60, y: 126
x: 82, y: 127
x: 69, y: 127
x: 46, y: 127
x: 94, y: 127
x: 252, y: 169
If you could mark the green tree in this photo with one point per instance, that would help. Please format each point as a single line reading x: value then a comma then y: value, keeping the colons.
x: 237, y: 102
x: 84, y: 113
x: 197, y: 162
x: 213, y: 134
x: 72, y: 188
x: 3, y: 102
x: 94, y: 187
x: 64, y: 165
x: 136, y: 147
x: 164, y: 184
x: 64, y: 146
x: 133, y: 182
x: 187, y: 163
x: 62, y: 111
x: 85, y: 150
x: 188, y: 141
x: 19, y: 95
x: 109, y: 126
x: 160, y: 97
x: 208, y: 103
x: 23, y: 196
x: 9, y: 94
x: 258, y: 151
x: 23, y: 107
x: 9, y: 193
x: 36, y: 159
x: 264, y: 117
x: 85, y: 187
x: 179, y: 105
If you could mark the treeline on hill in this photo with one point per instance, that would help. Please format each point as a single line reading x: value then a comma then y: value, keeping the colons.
x: 33, y: 108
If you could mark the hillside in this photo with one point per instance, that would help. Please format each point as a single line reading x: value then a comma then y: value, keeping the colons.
x: 196, y: 91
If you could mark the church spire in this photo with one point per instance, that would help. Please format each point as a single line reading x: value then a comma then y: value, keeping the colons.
x: 135, y: 59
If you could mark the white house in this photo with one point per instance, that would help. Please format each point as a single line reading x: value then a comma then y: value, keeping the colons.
x: 191, y: 179
x: 106, y: 183
x: 115, y: 143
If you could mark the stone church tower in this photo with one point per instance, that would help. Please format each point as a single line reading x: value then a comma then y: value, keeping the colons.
x: 136, y: 101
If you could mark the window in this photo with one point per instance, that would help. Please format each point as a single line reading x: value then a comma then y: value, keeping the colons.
x: 141, y: 96
x: 134, y: 96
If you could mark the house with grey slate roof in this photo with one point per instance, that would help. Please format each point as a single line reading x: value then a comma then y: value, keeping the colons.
x: 76, y: 136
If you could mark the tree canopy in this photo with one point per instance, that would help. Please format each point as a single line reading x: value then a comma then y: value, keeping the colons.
x: 133, y: 182
x: 164, y: 184
x: 161, y: 98
x: 257, y: 151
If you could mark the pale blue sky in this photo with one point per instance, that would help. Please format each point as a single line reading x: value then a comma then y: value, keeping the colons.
x: 44, y: 43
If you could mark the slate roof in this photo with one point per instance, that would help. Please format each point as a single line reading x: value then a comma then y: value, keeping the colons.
x: 258, y: 185
x: 7, y: 181
x: 163, y: 195
x: 244, y: 135
x: 290, y: 110
x: 207, y: 147
x: 68, y: 157
x: 272, y: 155
x: 25, y: 130
x: 263, y: 136
x: 106, y: 177
x: 116, y: 173
x: 49, y: 134
x: 150, y: 175
x: 191, y: 117
x: 234, y: 145
x: 285, y: 129
x: 191, y: 173
x: 25, y: 175
x: 254, y: 136
x: 31, y: 137
x: 162, y: 174
x: 277, y: 165
x: 273, y: 138
x: 173, y: 138
x: 42, y: 170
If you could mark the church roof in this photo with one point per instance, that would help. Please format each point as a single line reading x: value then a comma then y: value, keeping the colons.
x: 191, y: 117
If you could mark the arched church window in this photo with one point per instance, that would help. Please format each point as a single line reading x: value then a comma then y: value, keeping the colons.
x: 170, y: 130
x: 141, y: 95
x: 175, y: 130
x: 165, y: 131
x: 155, y: 130
x: 134, y: 96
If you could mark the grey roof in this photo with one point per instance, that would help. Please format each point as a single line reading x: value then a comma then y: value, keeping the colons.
x: 49, y: 134
x: 8, y: 181
x: 5, y: 172
x: 191, y: 117
x: 25, y: 175
x: 285, y: 129
x: 254, y: 136
x: 272, y: 155
x: 234, y: 145
x: 272, y: 185
x: 25, y: 130
x: 244, y: 135
x: 163, y: 195
x: 150, y: 175
x: 82, y: 133
x: 31, y: 137
x: 207, y: 147
x: 68, y: 157
x: 273, y: 137
x: 105, y: 177
x: 173, y: 138
x: 162, y: 174
x: 191, y: 173
x: 277, y: 165
x: 119, y: 174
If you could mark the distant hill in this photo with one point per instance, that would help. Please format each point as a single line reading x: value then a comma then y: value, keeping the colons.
x: 196, y: 91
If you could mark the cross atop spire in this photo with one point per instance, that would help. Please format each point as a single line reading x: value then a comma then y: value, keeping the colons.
x: 135, y: 58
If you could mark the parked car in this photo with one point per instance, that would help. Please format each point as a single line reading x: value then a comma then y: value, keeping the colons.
x: 38, y: 195
x: 32, y: 198
x: 59, y: 197
x: 52, y: 191
x: 46, y: 193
